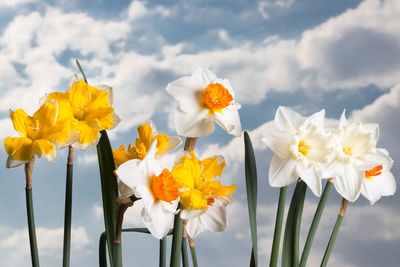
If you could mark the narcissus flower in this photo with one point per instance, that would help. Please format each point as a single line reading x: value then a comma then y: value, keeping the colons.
x: 355, y: 154
x: 41, y: 134
x: 202, y: 99
x: 204, y: 199
x: 379, y: 181
x: 147, y: 135
x: 302, y: 149
x: 156, y: 187
x: 89, y: 108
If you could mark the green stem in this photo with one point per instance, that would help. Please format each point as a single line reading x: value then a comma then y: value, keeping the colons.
x: 103, y: 250
x: 29, y: 212
x: 81, y: 70
x: 163, y: 252
x: 315, y: 222
x: 278, y: 227
x: 334, y: 233
x: 68, y: 208
x: 176, y: 240
x: 117, y: 262
x: 193, y: 252
x: 185, y: 258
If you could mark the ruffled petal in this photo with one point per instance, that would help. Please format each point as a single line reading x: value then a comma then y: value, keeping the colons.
x: 282, y: 171
x: 79, y: 95
x: 19, y: 148
x: 88, y: 134
x: 349, y: 183
x: 194, y: 124
x: 46, y: 148
x: 310, y: 177
x: 229, y: 120
x: 18, y: 118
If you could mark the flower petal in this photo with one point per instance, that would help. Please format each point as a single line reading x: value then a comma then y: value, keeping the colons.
x: 158, y: 220
x: 229, y: 120
x: 382, y: 185
x: 194, y: 227
x: 46, y: 148
x: 18, y: 118
x: 349, y: 183
x: 89, y: 135
x: 287, y: 119
x: 190, y: 214
x: 187, y: 92
x: 215, y: 219
x: 278, y: 142
x: 310, y: 177
x: 282, y: 171
x: 194, y: 124
x: 317, y: 119
x: 20, y: 148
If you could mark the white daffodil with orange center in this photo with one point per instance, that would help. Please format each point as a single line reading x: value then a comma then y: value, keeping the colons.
x: 204, y: 199
x: 202, y: 100
x: 147, y: 135
x: 379, y: 181
x: 302, y: 149
x: 89, y: 108
x: 41, y: 134
x: 156, y: 187
x: 355, y: 154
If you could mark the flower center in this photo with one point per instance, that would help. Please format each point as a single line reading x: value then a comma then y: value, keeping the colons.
x: 304, y: 147
x: 164, y: 186
x: 376, y: 171
x: 32, y: 126
x: 216, y: 97
x: 80, y: 113
x: 347, y: 150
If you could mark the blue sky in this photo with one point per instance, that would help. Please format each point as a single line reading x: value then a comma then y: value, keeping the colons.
x: 307, y: 55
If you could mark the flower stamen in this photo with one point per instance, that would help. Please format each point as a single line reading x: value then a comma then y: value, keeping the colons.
x: 216, y: 97
x: 304, y: 147
x: 376, y: 171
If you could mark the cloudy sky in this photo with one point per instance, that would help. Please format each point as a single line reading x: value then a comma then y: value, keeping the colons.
x: 307, y: 55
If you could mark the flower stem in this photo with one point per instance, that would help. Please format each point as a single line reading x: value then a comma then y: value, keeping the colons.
x: 163, y: 252
x: 177, y: 240
x: 315, y: 222
x: 190, y: 143
x: 68, y: 208
x: 29, y: 212
x: 193, y: 252
x: 335, y: 231
x: 185, y: 259
x: 123, y: 204
x: 278, y: 227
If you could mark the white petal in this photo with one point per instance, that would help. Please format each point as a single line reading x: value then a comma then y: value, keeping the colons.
x: 194, y: 124
x: 349, y: 184
x: 110, y: 92
x: 190, y: 214
x: 282, y: 171
x: 173, y: 142
x: 278, y: 142
x: 171, y: 207
x: 51, y: 157
x: 128, y: 172
x: 12, y: 163
x: 316, y: 119
x: 206, y: 76
x: 310, y: 177
x: 147, y: 197
x: 194, y: 227
x: 333, y: 169
x: 343, y: 120
x: 287, y: 119
x: 149, y: 166
x: 159, y: 221
x: 229, y: 121
x: 372, y: 128
x: 116, y: 120
x: 215, y: 219
x: 186, y: 92
x: 85, y: 147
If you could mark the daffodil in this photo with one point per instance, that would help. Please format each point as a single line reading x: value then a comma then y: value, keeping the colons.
x: 157, y: 188
x: 379, y: 181
x: 89, y: 108
x: 41, y: 134
x: 355, y: 153
x: 302, y: 149
x: 147, y: 135
x: 202, y: 99
x: 203, y: 198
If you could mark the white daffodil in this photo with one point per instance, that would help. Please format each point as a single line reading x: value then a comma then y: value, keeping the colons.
x: 302, y: 149
x: 156, y: 187
x: 202, y: 99
x: 379, y: 181
x: 355, y: 154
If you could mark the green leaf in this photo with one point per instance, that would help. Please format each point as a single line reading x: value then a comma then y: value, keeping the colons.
x: 278, y: 227
x: 176, y: 247
x: 163, y: 252
x: 103, y: 250
x: 81, y: 70
x: 109, y: 189
x: 332, y: 241
x: 185, y: 258
x: 251, y: 188
x: 315, y: 222
x: 290, y: 249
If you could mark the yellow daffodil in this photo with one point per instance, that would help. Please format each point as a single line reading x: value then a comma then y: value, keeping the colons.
x: 203, y: 198
x: 147, y: 135
x: 41, y: 134
x: 202, y: 100
x: 89, y: 108
x: 157, y: 189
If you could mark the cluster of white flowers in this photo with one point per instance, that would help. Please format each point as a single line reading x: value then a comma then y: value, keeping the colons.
x: 348, y: 154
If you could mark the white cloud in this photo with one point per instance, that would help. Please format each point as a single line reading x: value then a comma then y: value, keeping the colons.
x: 263, y: 6
x: 138, y: 10
x: 13, y: 3
x: 87, y: 158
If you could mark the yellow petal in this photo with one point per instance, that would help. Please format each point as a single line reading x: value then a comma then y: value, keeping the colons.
x: 18, y: 118
x: 121, y: 155
x: 145, y: 135
x: 46, y: 116
x: 212, y: 168
x: 64, y: 105
x: 182, y: 176
x: 60, y: 132
x: 87, y: 133
x: 20, y: 148
x: 162, y: 142
x: 193, y: 199
x: 43, y: 146
x: 79, y: 97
